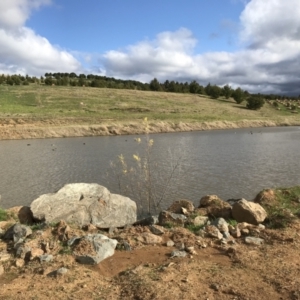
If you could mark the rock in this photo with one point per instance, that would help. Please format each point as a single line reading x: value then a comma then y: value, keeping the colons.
x: 170, y: 243
x: 59, y: 272
x: 245, y: 231
x: 4, y: 256
x: 156, y: 229
x: 235, y: 231
x: 36, y: 252
x: 191, y: 250
x: 124, y: 245
x: 92, y: 249
x: 5, y: 224
x: 221, y: 224
x: 63, y: 230
x: 244, y: 225
x: 254, y: 241
x: 17, y: 233
x: 266, y: 198
x: 62, y: 271
x: 150, y: 238
x: 245, y: 211
x: 214, y: 232
x: 168, y: 218
x: 23, y: 213
x: 82, y: 203
x: 46, y: 258
x: 178, y: 253
x: 200, y: 220
x: 22, y: 251
x: 151, y: 220
x: 177, y: 206
x: 1, y: 270
x: 19, y: 263
x: 215, y: 207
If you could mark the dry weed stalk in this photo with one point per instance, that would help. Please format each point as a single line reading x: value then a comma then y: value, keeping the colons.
x: 142, y: 178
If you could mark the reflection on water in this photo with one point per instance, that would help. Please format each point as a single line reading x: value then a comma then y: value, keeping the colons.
x: 229, y: 163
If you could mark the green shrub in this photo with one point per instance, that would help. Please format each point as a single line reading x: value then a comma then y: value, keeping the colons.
x: 255, y: 103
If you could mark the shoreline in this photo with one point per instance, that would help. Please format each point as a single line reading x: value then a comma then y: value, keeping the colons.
x: 17, y: 131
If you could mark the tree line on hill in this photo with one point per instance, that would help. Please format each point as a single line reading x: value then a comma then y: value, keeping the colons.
x: 193, y: 87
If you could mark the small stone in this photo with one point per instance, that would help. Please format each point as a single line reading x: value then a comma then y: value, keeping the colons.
x: 4, y: 256
x: 150, y: 238
x: 180, y: 246
x: 221, y: 224
x: 177, y: 253
x: 156, y: 229
x: 46, y: 258
x: 191, y: 250
x: 201, y: 233
x: 215, y: 287
x: 170, y: 243
x: 61, y: 271
x: 261, y: 227
x: 200, y: 220
x: 254, y: 241
x: 245, y: 231
x: 235, y: 232
x: 244, y: 225
x: 214, y: 232
x: 36, y: 252
x: 19, y: 263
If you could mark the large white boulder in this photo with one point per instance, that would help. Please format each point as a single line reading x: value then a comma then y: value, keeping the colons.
x: 83, y: 203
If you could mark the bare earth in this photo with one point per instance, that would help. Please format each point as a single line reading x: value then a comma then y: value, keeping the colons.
x: 18, y: 128
x: 240, y: 271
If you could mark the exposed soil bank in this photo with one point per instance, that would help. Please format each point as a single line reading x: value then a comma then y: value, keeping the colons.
x: 11, y: 129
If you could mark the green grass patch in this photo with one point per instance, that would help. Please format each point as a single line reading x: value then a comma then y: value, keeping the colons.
x: 285, y: 209
x: 194, y: 228
x: 92, y: 105
x: 3, y: 215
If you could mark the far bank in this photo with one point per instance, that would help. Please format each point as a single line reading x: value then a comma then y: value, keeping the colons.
x: 39, y: 130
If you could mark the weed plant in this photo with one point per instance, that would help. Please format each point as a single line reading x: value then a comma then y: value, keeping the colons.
x: 142, y: 178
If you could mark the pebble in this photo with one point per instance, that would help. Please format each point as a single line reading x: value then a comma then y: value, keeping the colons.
x: 254, y: 241
x: 4, y: 256
x: 177, y: 253
x: 61, y: 271
x: 46, y: 258
x: 170, y: 243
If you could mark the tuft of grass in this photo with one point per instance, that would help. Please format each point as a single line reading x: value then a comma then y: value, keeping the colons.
x: 285, y: 209
x: 37, y: 226
x: 194, y: 228
x: 3, y: 215
x: 65, y: 250
x: 232, y: 222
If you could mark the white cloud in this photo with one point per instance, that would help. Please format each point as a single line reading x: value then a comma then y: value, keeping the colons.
x: 269, y: 62
x: 21, y: 49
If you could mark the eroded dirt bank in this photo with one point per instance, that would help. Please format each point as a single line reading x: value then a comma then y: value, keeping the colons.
x: 21, y: 129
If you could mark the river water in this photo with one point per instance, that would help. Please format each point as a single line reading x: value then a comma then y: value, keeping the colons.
x: 229, y: 163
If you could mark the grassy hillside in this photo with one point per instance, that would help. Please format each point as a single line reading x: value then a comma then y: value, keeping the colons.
x: 42, y: 106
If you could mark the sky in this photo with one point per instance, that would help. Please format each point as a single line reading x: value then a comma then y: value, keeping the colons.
x: 252, y: 44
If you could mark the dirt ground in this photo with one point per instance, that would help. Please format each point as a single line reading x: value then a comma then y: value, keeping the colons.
x: 215, y: 271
